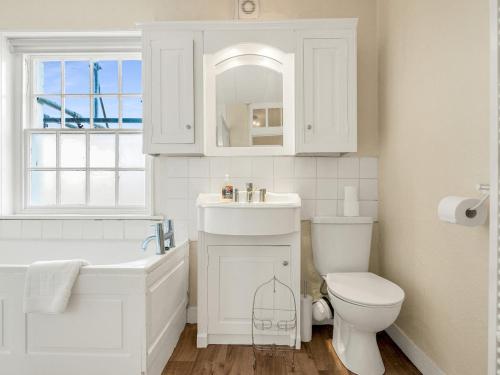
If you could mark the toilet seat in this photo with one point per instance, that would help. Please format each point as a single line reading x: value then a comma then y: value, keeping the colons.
x: 364, y: 289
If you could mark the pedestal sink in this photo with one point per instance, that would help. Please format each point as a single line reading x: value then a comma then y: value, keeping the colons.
x: 279, y: 214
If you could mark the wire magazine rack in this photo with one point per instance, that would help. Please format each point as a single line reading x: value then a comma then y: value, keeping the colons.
x: 274, y: 313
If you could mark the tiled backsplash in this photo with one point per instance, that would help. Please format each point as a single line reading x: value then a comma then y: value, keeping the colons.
x: 28, y: 229
x: 319, y: 181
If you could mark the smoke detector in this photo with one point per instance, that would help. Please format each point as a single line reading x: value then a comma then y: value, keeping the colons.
x: 247, y: 9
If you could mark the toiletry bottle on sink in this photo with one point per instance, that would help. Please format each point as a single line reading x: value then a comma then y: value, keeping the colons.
x: 227, y: 190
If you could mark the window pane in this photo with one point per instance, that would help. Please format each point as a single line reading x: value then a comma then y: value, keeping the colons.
x: 131, y: 77
x: 47, y: 112
x: 73, y: 187
x: 106, y: 77
x: 132, y: 112
x: 105, y: 112
x: 77, y: 112
x: 259, y: 118
x: 102, y: 150
x: 43, y: 188
x: 48, y: 79
x: 131, y: 155
x: 43, y: 150
x: 72, y: 150
x: 77, y: 77
x: 102, y: 188
x: 275, y: 117
x: 131, y: 188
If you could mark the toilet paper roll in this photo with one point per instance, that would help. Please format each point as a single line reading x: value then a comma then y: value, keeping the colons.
x: 350, y: 193
x: 351, y: 208
x: 305, y: 318
x: 455, y: 210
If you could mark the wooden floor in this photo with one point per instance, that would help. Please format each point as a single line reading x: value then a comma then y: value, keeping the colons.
x: 315, y: 357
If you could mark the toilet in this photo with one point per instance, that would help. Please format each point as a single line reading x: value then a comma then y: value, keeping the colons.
x: 363, y: 302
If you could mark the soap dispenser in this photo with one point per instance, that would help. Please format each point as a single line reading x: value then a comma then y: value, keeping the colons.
x: 227, y: 190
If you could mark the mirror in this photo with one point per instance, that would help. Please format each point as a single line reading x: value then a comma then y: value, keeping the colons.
x: 249, y: 101
x: 249, y: 105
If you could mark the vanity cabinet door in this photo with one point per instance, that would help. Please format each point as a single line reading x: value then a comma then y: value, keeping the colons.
x: 169, y: 93
x: 234, y: 273
x: 327, y: 108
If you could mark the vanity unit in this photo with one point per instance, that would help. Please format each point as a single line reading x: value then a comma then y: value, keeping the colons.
x: 250, y: 88
x: 242, y: 245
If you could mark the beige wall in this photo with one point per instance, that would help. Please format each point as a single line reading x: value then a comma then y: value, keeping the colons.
x: 113, y: 14
x: 434, y: 142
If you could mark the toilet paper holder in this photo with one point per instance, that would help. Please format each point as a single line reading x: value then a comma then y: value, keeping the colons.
x: 472, y: 211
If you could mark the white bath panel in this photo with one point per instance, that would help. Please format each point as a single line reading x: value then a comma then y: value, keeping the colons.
x: 163, y: 309
x: 88, y: 325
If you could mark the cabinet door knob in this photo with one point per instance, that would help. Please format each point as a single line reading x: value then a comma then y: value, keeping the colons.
x: 188, y: 127
x: 285, y: 263
x: 309, y: 127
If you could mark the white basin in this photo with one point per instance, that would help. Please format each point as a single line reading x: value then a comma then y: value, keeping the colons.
x: 280, y: 214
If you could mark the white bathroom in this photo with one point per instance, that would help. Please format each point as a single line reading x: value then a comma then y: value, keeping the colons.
x: 249, y: 187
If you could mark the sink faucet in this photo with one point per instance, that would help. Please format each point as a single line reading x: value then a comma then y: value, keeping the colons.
x: 164, y: 237
x: 249, y: 192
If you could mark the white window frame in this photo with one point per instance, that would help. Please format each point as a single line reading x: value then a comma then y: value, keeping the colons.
x: 27, y: 107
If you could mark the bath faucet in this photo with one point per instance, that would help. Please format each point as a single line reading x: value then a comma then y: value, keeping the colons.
x: 164, y: 237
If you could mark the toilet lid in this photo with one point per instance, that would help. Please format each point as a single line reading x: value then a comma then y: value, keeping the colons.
x: 364, y: 288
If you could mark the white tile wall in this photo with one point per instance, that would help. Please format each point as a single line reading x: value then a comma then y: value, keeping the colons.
x: 320, y: 182
x: 76, y: 229
x: 10, y: 229
x: 52, y: 229
x: 31, y: 229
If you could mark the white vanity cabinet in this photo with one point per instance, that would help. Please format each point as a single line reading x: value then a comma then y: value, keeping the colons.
x: 326, y: 95
x: 241, y: 246
x: 172, y: 70
x: 234, y: 273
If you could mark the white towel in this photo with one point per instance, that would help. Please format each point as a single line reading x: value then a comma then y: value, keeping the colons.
x: 48, y: 285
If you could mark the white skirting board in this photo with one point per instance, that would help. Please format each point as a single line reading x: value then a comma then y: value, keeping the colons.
x: 421, y: 361
x: 192, y: 314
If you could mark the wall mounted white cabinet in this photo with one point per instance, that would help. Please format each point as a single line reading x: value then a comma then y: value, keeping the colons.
x: 172, y: 70
x: 326, y: 96
x: 186, y: 110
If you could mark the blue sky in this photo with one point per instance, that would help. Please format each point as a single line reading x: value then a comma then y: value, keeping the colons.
x: 77, y: 81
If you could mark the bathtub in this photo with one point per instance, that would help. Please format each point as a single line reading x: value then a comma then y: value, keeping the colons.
x: 125, y: 315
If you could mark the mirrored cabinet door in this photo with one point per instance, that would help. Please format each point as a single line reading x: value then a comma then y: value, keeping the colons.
x: 249, y: 107
x: 249, y: 99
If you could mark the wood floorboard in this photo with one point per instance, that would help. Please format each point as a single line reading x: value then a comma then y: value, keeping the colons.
x: 315, y: 358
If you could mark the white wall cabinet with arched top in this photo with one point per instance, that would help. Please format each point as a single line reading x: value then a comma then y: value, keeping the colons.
x: 229, y: 88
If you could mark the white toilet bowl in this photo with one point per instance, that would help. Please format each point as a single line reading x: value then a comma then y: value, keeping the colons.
x: 364, y: 304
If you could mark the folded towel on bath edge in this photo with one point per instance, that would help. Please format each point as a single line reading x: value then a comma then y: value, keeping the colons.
x: 48, y: 285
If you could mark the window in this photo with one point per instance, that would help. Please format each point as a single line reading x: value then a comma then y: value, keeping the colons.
x: 267, y: 124
x: 83, y: 134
